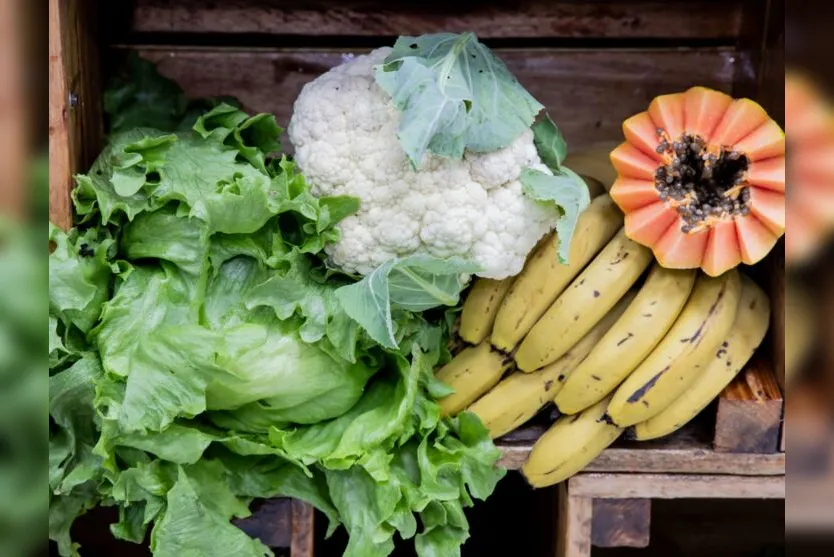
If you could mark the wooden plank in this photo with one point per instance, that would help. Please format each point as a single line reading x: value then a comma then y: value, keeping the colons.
x: 688, y: 451
x: 573, y: 532
x: 679, y: 19
x: 303, y: 539
x: 74, y: 101
x: 621, y: 522
x: 587, y: 92
x: 672, y: 486
x: 749, y: 415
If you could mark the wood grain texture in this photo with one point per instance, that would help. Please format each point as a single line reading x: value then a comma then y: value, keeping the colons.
x: 621, y: 522
x: 587, y: 92
x: 679, y: 19
x: 676, y: 486
x: 749, y: 415
x: 75, y: 123
x: 688, y: 451
x: 303, y: 538
x: 573, y: 531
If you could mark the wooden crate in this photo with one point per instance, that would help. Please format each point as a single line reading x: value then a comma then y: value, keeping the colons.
x: 592, y: 64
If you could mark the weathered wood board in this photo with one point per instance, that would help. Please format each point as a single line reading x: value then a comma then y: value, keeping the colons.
x: 588, y: 92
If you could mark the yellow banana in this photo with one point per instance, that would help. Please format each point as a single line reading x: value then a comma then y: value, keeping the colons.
x: 748, y: 330
x: 520, y: 396
x: 589, y: 297
x: 544, y: 278
x: 569, y: 445
x: 471, y: 373
x: 629, y: 341
x: 481, y: 307
x: 683, y: 353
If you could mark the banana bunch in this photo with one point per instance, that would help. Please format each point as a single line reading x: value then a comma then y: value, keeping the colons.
x: 614, y: 340
x: 690, y: 335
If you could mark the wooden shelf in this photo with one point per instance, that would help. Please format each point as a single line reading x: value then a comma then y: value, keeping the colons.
x: 689, y: 451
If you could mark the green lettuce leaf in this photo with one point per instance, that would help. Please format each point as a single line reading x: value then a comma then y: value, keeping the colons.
x: 79, y: 276
x: 454, y: 94
x: 187, y: 513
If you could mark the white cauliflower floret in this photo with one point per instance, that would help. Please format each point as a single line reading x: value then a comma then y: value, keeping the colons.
x: 344, y: 131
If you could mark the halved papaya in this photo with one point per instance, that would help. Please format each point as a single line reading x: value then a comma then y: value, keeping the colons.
x: 810, y: 207
x: 701, y: 180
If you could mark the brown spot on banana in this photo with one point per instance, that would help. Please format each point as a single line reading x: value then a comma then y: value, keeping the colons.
x: 637, y: 395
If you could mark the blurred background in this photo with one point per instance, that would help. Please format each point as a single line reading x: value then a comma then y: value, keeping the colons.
x: 809, y: 304
x: 24, y: 203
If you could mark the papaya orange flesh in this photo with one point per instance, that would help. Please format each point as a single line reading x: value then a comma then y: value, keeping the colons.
x: 631, y: 194
x: 701, y: 180
x: 754, y: 239
x: 703, y: 109
x: 631, y: 162
x: 681, y: 250
x: 640, y: 131
x: 667, y: 113
x: 740, y: 119
x: 647, y: 224
x: 769, y: 207
x: 769, y: 173
x: 765, y: 142
x: 722, y: 252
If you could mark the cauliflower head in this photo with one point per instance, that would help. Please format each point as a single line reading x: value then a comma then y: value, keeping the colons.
x: 344, y: 132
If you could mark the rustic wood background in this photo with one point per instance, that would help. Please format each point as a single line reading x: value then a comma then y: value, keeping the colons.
x: 592, y: 64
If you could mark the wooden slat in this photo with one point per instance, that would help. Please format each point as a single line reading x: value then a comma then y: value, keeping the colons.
x: 573, y: 532
x: 671, y: 486
x: 587, y: 92
x: 74, y: 101
x: 302, y: 544
x: 282, y: 523
x: 685, y: 452
x: 749, y: 415
x: 621, y: 522
x: 679, y: 19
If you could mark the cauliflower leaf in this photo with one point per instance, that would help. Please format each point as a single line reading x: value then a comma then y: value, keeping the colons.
x: 415, y: 283
x: 565, y: 188
x: 550, y: 143
x: 454, y: 94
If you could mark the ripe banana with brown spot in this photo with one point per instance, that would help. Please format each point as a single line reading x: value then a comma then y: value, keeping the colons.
x: 471, y: 373
x: 569, y: 446
x: 627, y: 343
x: 520, y: 396
x: 544, y: 278
x: 588, y: 298
x: 683, y: 353
x: 481, y: 307
x: 748, y: 330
